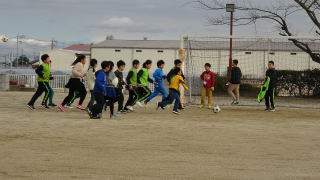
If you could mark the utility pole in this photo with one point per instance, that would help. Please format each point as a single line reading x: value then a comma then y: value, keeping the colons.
x: 53, y: 43
x: 17, y: 50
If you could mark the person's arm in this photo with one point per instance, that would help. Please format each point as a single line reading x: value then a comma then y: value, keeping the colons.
x: 150, y: 80
x: 157, y: 75
x: 183, y: 83
x: 213, y: 79
x: 140, y: 73
x: 202, y: 76
x: 129, y: 76
x: 169, y: 75
x: 39, y: 71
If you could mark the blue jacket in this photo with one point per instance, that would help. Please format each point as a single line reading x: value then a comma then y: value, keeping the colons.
x: 158, y: 76
x: 100, y: 83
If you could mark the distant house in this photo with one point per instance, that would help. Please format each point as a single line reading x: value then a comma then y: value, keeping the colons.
x: 63, y: 58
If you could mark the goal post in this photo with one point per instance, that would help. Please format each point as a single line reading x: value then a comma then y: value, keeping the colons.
x: 253, y: 54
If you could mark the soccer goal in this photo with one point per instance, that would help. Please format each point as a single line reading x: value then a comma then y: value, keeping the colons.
x: 298, y: 74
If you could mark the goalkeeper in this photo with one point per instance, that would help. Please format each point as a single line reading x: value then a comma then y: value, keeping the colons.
x: 208, y: 78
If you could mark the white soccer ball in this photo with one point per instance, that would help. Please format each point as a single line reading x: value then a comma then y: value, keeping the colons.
x: 216, y: 109
x: 115, y: 81
x: 4, y: 39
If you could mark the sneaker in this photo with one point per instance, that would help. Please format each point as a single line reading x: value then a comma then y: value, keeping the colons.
x: 80, y: 107
x: 139, y: 104
x: 176, y: 112
x: 145, y: 102
x: 31, y: 106
x: 122, y: 112
x: 201, y: 106
x: 95, y: 117
x: 89, y: 113
x: 158, y: 106
x: 233, y: 102
x: 272, y: 109
x: 236, y: 103
x: 113, y: 117
x: 130, y: 108
x: 62, y: 108
x: 44, y: 106
x: 52, y: 105
x: 68, y: 106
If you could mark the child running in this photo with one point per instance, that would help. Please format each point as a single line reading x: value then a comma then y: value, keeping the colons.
x: 143, y: 82
x: 91, y: 79
x: 75, y: 84
x: 174, y: 94
x: 99, y: 91
x: 132, y: 85
x: 158, y: 76
x: 111, y: 90
x: 119, y: 74
x: 43, y: 72
x: 208, y: 78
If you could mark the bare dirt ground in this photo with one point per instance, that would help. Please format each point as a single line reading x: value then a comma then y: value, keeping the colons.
x: 238, y: 143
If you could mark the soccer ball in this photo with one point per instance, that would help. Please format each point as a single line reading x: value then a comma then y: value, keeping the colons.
x: 115, y: 81
x: 216, y: 109
x: 4, y: 39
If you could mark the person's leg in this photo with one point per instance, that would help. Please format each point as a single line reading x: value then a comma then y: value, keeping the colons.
x: 237, y: 92
x: 177, y: 101
x: 163, y: 92
x: 120, y: 99
x: 267, y: 99
x: 272, y: 96
x: 98, y: 107
x: 130, y: 99
x: 70, y: 97
x: 51, y: 94
x: 91, y: 99
x: 209, y: 93
x: 169, y: 100
x: 37, y: 94
x: 83, y: 93
x: 182, y: 97
x: 230, y: 91
x: 153, y: 95
x: 47, y: 92
x: 145, y: 93
x: 203, y: 96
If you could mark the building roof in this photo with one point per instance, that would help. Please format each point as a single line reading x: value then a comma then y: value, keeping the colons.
x: 137, y: 44
x: 203, y: 45
x: 79, y: 47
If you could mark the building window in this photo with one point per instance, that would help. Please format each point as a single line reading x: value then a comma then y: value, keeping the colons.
x: 139, y: 50
x: 248, y: 52
x: 160, y: 51
x: 293, y: 54
x: 117, y: 50
x: 272, y: 53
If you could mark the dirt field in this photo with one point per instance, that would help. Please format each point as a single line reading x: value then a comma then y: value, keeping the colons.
x: 238, y: 143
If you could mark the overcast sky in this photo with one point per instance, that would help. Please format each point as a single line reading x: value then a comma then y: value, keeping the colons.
x: 86, y: 21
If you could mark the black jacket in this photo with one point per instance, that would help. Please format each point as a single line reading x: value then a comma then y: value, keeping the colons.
x: 272, y: 74
x: 119, y: 75
x: 235, y: 75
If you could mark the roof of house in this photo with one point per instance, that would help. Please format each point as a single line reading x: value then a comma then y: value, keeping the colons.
x: 79, y: 47
x: 203, y: 45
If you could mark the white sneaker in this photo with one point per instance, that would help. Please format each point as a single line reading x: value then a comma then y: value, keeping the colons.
x: 69, y: 107
x: 130, y: 108
x: 176, y: 112
x: 139, y: 104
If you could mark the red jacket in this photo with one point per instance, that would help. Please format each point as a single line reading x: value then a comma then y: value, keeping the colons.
x: 208, y: 79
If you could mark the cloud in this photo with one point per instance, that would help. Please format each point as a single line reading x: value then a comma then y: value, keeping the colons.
x: 126, y: 24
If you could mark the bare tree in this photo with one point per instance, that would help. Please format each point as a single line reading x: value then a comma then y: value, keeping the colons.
x: 279, y: 15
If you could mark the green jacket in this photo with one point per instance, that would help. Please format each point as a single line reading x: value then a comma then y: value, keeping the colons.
x: 143, y: 77
x: 43, y: 72
x: 132, y: 77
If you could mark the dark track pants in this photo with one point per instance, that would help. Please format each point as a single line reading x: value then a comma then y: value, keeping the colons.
x: 42, y: 87
x: 269, y: 98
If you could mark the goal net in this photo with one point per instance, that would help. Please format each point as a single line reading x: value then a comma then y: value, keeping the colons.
x: 298, y: 74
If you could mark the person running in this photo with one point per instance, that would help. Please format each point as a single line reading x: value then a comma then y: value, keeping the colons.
x: 111, y: 90
x: 270, y: 94
x: 51, y: 94
x: 43, y: 72
x: 174, y: 93
x: 91, y: 79
x: 158, y: 76
x: 119, y: 74
x: 99, y: 91
x: 177, y: 64
x: 132, y: 85
x: 143, y: 82
x: 234, y: 83
x: 75, y: 84
x: 208, y: 78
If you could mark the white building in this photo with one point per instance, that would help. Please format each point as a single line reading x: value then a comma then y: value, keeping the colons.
x: 63, y: 58
x: 252, y: 55
x: 128, y: 50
